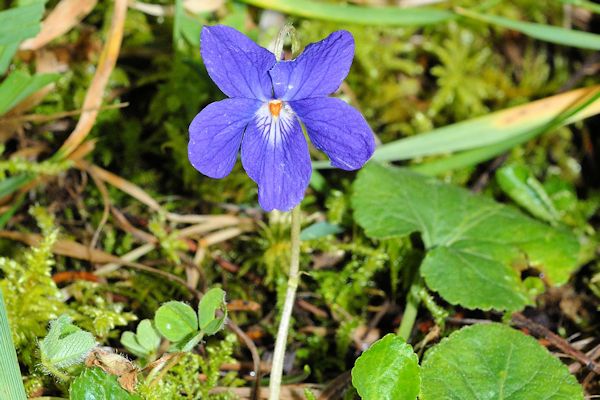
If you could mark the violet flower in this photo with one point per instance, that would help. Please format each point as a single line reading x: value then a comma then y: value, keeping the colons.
x: 268, y: 99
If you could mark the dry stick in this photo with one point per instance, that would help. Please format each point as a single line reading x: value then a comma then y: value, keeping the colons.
x: 60, y: 115
x: 288, y: 305
x: 521, y: 321
x: 93, y: 97
x: 255, y: 394
x: 77, y: 250
x: 106, y: 211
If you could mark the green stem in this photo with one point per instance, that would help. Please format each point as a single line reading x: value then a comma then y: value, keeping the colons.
x: 11, y: 383
x: 286, y: 313
x: 413, y: 300
x: 48, y: 366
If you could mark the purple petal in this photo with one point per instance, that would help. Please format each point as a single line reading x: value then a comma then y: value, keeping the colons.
x: 216, y: 133
x: 237, y: 65
x: 275, y: 155
x: 337, y: 129
x: 318, y: 71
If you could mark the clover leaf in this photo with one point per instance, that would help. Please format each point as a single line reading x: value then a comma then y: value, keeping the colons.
x: 211, y: 302
x: 144, y: 342
x: 176, y: 320
x: 179, y: 323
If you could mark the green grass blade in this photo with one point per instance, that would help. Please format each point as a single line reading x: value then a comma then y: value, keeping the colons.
x: 19, y: 85
x: 476, y: 156
x: 13, y: 183
x: 6, y: 54
x: 390, y: 16
x: 20, y: 23
x: 588, y: 5
x: 7, y: 215
x: 547, y: 33
x: 489, y: 129
x: 11, y: 384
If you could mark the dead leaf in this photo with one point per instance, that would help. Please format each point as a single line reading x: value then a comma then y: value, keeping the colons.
x: 114, y: 364
x: 243, y: 305
x: 202, y: 6
x: 61, y: 19
x: 95, y: 93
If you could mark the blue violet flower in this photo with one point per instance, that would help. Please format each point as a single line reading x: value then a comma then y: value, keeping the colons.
x: 267, y: 102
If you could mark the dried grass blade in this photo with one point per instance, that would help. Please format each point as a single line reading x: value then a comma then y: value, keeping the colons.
x: 94, y: 95
x: 62, y: 19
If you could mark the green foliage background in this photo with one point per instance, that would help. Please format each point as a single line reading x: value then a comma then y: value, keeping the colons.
x: 406, y: 80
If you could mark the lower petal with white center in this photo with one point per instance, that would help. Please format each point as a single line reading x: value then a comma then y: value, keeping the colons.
x: 275, y: 155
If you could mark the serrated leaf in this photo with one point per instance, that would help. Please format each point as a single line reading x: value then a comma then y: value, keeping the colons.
x: 475, y: 246
x: 212, y: 301
x: 65, y: 345
x: 175, y: 320
x: 95, y: 384
x: 388, y: 370
x: 493, y: 361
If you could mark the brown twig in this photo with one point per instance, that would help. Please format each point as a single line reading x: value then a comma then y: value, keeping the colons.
x: 255, y: 393
x: 521, y: 321
x: 59, y: 115
x: 105, y: 212
x: 77, y: 250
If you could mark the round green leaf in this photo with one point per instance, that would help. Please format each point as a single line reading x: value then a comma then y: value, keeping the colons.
x: 95, y: 384
x: 493, y: 361
x: 147, y: 336
x: 389, y: 369
x: 212, y: 301
x: 129, y: 340
x: 175, y: 320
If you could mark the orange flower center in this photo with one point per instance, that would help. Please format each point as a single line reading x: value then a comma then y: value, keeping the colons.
x: 275, y: 107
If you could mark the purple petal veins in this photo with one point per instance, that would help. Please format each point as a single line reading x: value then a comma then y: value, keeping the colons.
x: 337, y: 129
x: 236, y: 64
x: 318, y: 71
x: 268, y: 99
x: 216, y: 134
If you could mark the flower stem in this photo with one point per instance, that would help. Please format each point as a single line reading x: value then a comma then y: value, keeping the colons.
x: 57, y: 373
x: 290, y: 295
x: 11, y: 383
x: 413, y: 300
